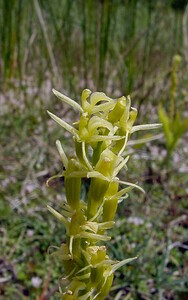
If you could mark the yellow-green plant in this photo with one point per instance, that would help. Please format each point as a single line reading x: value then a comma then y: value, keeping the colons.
x: 173, y: 121
x: 100, y: 137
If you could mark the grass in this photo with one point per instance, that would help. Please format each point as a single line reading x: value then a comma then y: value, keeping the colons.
x: 119, y: 45
x: 152, y: 226
x: 119, y: 48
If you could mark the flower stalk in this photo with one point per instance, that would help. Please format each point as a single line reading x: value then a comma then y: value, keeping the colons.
x: 100, y: 138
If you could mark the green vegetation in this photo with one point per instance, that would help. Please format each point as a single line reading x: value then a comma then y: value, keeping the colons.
x: 174, y: 122
x: 119, y: 47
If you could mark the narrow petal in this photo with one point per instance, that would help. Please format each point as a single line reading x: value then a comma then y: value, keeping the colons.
x: 121, y: 263
x: 103, y: 107
x: 62, y: 153
x: 68, y: 100
x: 98, y: 138
x: 93, y: 236
x: 64, y: 124
x: 145, y: 127
x: 57, y: 215
x: 145, y: 140
x: 106, y: 225
x: 124, y: 145
x: 95, y: 174
x: 122, y: 192
x: 131, y: 184
x: 120, y: 166
x: 85, y: 157
x: 53, y: 177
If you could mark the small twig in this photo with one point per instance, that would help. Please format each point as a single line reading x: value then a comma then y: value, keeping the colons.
x: 51, y: 293
x: 4, y: 239
x: 178, y: 220
x: 45, y: 295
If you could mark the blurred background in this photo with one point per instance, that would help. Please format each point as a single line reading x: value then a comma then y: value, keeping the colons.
x: 120, y: 47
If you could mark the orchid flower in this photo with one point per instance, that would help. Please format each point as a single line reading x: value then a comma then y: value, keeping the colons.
x: 100, y: 137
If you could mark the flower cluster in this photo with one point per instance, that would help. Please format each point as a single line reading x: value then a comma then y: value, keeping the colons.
x: 100, y: 138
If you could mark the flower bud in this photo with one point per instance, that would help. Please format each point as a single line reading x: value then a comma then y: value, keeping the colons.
x: 83, y: 124
x: 104, y: 290
x: 98, y: 186
x: 97, y: 254
x: 110, y: 204
x: 85, y: 95
x: 97, y: 190
x: 132, y: 118
x: 115, y: 115
x: 72, y: 185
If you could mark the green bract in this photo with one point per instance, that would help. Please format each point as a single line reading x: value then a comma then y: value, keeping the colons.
x: 100, y: 137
